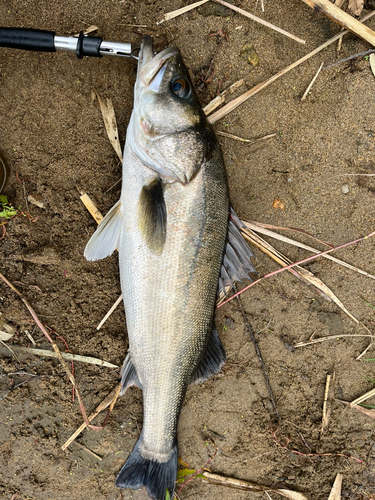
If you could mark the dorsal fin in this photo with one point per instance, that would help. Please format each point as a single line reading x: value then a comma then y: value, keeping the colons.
x: 237, y: 263
x: 152, y: 215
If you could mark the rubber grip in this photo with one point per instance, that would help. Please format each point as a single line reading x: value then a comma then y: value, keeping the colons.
x: 27, y: 39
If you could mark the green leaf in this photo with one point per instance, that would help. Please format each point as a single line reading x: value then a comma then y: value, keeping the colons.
x: 201, y: 476
x: 167, y: 495
x: 368, y: 304
x: 3, y: 198
x: 185, y: 472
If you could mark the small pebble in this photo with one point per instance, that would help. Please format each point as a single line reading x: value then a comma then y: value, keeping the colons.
x: 250, y: 55
x: 345, y: 188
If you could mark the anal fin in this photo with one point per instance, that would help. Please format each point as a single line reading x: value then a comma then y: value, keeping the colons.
x: 237, y: 263
x: 129, y: 375
x: 212, y: 361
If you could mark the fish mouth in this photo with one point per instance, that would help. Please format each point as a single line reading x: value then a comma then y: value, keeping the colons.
x: 149, y: 63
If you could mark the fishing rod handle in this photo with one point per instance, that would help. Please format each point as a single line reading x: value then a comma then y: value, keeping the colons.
x: 27, y: 39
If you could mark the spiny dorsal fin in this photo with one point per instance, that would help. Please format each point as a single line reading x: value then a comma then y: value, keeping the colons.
x: 152, y: 215
x: 213, y: 359
x: 237, y: 263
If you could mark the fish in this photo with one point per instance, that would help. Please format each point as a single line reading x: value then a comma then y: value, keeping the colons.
x: 179, y: 245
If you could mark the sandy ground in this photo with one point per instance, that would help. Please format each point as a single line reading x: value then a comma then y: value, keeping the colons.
x: 53, y: 136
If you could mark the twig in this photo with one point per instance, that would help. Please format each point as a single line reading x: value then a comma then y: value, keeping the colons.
x: 257, y: 350
x: 109, y: 312
x: 178, y: 12
x: 285, y: 446
x: 240, y: 484
x: 327, y: 400
x: 83, y: 447
x: 339, y: 16
x: 259, y: 20
x: 329, y: 337
x: 262, y: 228
x: 354, y: 56
x: 298, y: 271
x: 312, y: 82
x: 364, y: 352
x: 307, y: 259
x: 220, y: 99
x: 362, y: 398
x: 65, y: 355
x: 249, y: 141
x: 4, y: 344
x: 198, y: 471
x: 103, y: 405
x: 55, y: 348
x: 242, y: 98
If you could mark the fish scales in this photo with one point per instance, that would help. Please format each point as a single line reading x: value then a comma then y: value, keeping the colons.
x: 169, y: 299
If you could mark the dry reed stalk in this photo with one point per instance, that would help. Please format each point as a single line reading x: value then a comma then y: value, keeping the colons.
x: 345, y: 20
x: 312, y: 82
x: 242, y: 98
x: 55, y: 348
x: 103, y: 405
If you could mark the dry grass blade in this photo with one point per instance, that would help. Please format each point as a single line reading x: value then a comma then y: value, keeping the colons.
x: 242, y: 98
x: 83, y: 447
x: 362, y: 398
x: 327, y: 403
x: 329, y: 337
x: 110, y: 123
x: 103, y: 405
x: 65, y: 355
x: 297, y: 271
x: 220, y: 99
x: 312, y: 82
x: 239, y: 484
x: 178, y: 12
x: 6, y: 331
x: 336, y: 488
x: 109, y: 312
x: 54, y: 346
x: 262, y: 228
x: 366, y: 411
x: 259, y: 20
x: 248, y: 141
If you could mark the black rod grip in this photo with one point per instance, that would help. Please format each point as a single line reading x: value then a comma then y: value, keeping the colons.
x: 27, y: 39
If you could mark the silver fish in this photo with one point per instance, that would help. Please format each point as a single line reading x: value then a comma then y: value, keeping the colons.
x: 176, y: 240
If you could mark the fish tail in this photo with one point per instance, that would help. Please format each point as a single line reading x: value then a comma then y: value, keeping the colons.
x: 156, y: 477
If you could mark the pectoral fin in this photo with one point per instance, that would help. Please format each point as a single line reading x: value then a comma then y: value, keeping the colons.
x: 105, y: 239
x: 237, y: 257
x: 152, y: 215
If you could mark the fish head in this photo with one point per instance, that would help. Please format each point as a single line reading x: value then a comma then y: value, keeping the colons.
x: 168, y: 129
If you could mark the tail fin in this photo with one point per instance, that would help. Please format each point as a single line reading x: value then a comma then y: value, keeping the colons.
x: 155, y: 476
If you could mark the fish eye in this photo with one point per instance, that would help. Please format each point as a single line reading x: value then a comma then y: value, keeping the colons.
x: 180, y: 87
